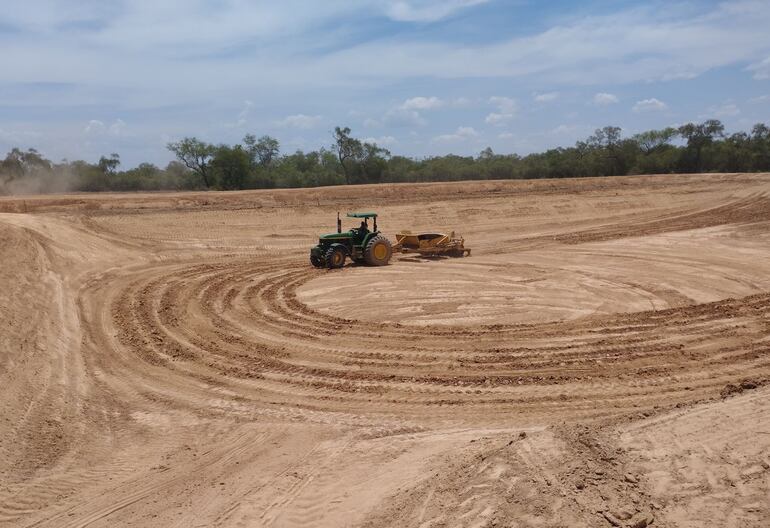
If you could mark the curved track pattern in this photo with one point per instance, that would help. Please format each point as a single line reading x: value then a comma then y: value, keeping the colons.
x: 243, y: 320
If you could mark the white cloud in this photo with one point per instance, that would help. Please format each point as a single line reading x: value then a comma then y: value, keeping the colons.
x: 725, y: 110
x: 761, y: 69
x: 383, y: 141
x: 498, y: 119
x: 642, y: 43
x: 546, y: 97
x: 506, y: 105
x: 406, y: 114
x: 300, y: 121
x: 400, y: 117
x: 505, y: 135
x: 242, y: 115
x: 426, y: 10
x: 247, y: 106
x: 760, y: 99
x: 604, y: 99
x: 507, y: 108
x: 422, y: 103
x: 649, y: 105
x: 94, y: 126
x: 645, y: 43
x: 117, y: 128
x: 461, y: 134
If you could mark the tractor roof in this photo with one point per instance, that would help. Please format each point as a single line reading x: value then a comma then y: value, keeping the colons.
x: 362, y: 215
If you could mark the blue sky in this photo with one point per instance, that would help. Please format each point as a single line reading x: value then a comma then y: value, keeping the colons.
x: 420, y: 77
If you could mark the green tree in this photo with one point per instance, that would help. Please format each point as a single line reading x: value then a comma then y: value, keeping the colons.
x: 231, y: 166
x: 487, y: 154
x: 373, y: 165
x: 607, y: 137
x: 18, y: 164
x: 760, y: 147
x: 196, y: 156
x: 89, y: 177
x: 177, y: 176
x: 697, y: 137
x: 263, y: 151
x: 361, y: 162
x: 349, y: 151
x: 653, y: 140
x: 109, y: 166
x: 402, y: 169
x: 258, y: 163
x: 605, y: 144
x: 760, y: 132
x: 264, y: 155
x: 12, y: 167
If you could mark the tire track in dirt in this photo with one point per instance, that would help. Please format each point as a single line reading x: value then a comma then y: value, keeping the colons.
x: 201, y: 319
x: 742, y: 211
x: 709, y: 465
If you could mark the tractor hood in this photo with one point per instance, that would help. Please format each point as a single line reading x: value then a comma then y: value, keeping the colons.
x: 336, y: 236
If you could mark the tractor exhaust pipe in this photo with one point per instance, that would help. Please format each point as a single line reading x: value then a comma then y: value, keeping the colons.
x: 339, y: 223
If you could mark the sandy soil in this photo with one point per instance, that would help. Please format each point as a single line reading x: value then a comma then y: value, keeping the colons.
x: 600, y: 360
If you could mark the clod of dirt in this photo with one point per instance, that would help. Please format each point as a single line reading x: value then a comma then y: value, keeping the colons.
x: 748, y: 385
x: 641, y: 520
x: 744, y: 385
x: 625, y: 519
x: 631, y: 479
x: 623, y: 514
x: 614, y: 521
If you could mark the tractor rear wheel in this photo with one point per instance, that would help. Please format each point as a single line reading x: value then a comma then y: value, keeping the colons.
x: 378, y: 251
x: 335, y: 257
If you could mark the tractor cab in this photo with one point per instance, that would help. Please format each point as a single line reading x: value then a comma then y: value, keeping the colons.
x: 360, y: 233
x: 363, y: 244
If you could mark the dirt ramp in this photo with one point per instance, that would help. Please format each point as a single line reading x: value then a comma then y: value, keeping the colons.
x: 32, y: 426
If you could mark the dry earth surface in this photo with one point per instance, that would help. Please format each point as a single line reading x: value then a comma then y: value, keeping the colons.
x: 600, y: 360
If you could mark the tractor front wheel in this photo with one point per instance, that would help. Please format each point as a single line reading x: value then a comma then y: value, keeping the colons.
x: 335, y: 257
x: 378, y: 251
x: 316, y: 261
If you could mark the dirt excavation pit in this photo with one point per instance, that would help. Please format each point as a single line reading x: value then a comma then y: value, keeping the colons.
x: 602, y: 359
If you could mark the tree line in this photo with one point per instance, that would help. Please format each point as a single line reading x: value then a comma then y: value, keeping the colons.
x: 258, y: 163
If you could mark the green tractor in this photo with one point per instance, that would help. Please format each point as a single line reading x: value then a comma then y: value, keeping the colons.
x: 359, y: 244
